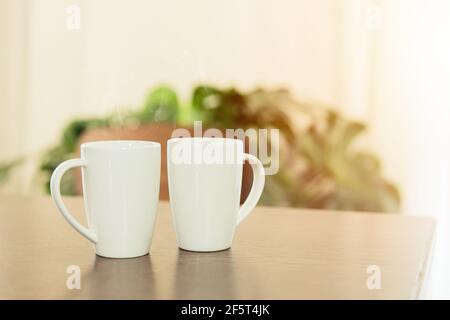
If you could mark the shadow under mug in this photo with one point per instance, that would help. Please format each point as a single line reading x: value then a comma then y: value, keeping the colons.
x: 121, y: 193
x: 205, y: 177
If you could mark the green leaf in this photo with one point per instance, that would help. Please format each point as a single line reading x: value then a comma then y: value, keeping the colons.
x: 201, y: 95
x: 74, y: 130
x: 161, y: 106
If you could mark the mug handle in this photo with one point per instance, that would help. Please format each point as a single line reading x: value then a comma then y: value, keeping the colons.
x: 55, y: 183
x: 259, y: 178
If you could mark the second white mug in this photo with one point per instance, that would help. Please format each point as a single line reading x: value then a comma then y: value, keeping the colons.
x: 205, y: 176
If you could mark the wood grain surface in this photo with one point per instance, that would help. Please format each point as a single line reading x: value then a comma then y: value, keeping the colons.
x: 278, y: 253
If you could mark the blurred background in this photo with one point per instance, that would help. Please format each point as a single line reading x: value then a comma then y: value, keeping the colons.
x: 358, y: 88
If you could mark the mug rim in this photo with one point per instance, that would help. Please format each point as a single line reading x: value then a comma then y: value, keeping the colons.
x: 120, y: 144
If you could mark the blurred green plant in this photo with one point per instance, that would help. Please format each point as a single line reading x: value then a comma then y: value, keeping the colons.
x: 320, y: 164
x: 6, y: 168
x: 161, y: 105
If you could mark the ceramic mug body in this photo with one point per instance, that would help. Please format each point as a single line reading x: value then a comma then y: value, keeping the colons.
x: 121, y: 193
x: 205, y: 176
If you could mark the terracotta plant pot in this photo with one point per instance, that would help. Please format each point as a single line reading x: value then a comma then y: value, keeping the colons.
x: 158, y: 132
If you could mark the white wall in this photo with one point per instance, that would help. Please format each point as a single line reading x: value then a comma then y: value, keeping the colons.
x: 13, y: 41
x: 409, y: 107
x: 54, y: 72
x: 125, y: 47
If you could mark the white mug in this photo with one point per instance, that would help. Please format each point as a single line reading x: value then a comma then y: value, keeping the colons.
x: 121, y: 193
x: 205, y: 176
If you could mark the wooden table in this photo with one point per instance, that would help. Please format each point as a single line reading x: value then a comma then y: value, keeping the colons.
x: 278, y: 253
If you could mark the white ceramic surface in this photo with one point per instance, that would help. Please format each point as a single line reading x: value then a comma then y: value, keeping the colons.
x: 121, y: 193
x: 205, y: 192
